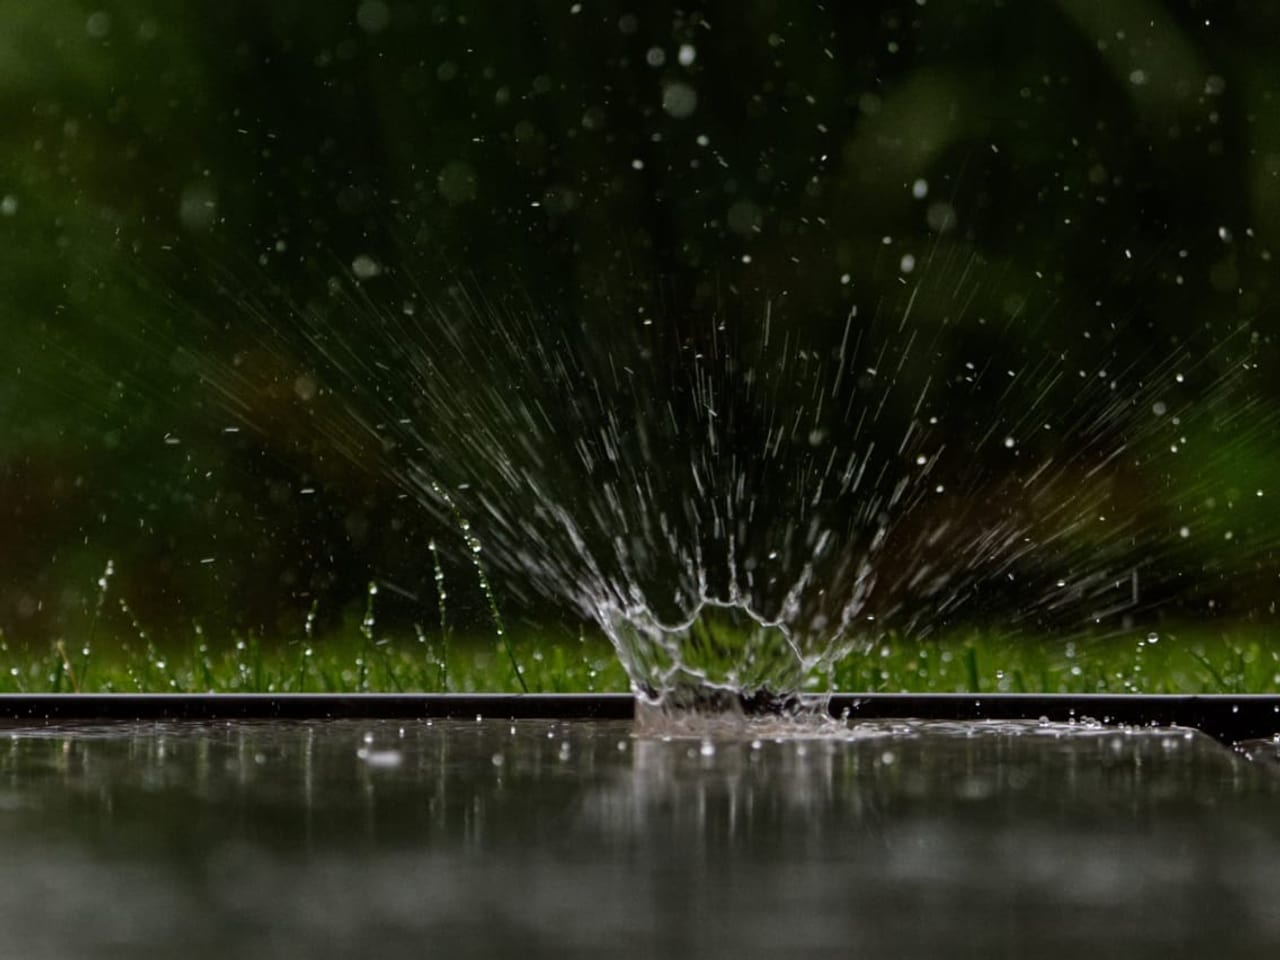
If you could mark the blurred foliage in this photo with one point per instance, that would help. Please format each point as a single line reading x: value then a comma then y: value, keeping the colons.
x: 1105, y: 169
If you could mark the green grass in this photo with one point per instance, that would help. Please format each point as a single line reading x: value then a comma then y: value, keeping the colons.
x: 360, y: 664
x: 1193, y: 661
x: 1179, y: 661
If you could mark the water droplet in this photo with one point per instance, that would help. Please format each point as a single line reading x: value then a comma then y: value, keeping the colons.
x: 373, y: 16
x: 98, y: 25
x: 382, y: 759
x: 679, y: 100
x: 365, y: 267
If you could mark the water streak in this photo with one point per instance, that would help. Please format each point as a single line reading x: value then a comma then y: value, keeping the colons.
x: 736, y: 504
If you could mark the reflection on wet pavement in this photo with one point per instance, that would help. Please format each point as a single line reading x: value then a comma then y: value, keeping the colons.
x: 554, y: 839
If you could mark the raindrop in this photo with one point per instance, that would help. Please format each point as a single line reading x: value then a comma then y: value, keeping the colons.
x: 365, y: 267
x: 679, y: 100
x: 456, y: 181
x: 373, y: 16
x: 941, y: 217
x: 98, y: 25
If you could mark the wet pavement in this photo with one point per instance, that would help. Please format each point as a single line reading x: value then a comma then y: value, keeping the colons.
x: 491, y: 838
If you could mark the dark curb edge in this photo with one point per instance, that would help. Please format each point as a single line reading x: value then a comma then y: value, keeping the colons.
x: 1226, y: 717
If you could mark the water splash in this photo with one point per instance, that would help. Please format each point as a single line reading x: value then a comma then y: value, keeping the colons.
x: 738, y: 506
x: 721, y: 647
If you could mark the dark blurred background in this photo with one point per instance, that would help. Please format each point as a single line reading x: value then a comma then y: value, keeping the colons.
x: 1105, y: 167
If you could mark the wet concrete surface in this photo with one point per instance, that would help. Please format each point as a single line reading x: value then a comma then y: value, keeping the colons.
x: 535, y: 838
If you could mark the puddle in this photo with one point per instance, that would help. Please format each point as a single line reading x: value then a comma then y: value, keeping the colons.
x: 894, y: 838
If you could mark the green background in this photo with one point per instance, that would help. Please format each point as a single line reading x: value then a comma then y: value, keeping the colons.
x: 1100, y: 178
